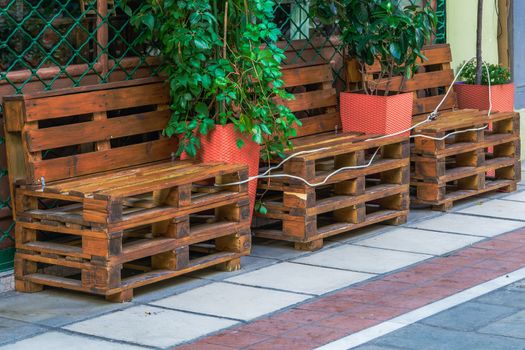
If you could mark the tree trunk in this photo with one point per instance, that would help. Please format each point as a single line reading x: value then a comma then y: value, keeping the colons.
x: 479, y: 58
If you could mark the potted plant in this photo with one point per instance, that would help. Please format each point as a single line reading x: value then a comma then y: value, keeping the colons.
x: 391, y: 33
x: 473, y: 91
x: 224, y: 72
x: 470, y: 94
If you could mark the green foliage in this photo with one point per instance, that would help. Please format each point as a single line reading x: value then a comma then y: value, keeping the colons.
x: 498, y: 74
x: 223, y: 67
x: 386, y: 30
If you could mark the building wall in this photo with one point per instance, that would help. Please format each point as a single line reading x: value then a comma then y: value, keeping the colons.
x: 461, y: 30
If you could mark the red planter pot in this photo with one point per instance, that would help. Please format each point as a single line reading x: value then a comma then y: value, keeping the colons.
x: 477, y: 97
x: 220, y: 146
x: 374, y: 114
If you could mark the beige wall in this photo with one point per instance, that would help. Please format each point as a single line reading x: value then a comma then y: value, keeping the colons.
x: 461, y: 30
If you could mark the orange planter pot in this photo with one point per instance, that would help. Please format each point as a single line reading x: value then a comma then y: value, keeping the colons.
x: 373, y: 114
x: 220, y: 146
x: 477, y: 97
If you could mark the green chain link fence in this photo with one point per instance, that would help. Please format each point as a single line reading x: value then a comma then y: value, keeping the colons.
x: 49, y: 44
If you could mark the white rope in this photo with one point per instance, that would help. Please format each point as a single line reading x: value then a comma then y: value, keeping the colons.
x: 429, y: 118
x: 448, y: 135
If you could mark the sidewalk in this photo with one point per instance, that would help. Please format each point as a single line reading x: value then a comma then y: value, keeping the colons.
x: 383, y: 272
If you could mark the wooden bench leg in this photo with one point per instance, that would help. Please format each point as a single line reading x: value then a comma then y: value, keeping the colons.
x: 121, y: 297
x: 309, y: 246
x: 443, y: 207
x: 23, y: 268
x: 229, y: 266
x: 400, y: 220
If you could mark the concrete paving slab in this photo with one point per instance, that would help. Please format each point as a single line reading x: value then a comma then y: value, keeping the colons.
x: 11, y: 330
x: 499, y: 209
x: 376, y: 347
x: 248, y: 263
x: 300, y: 278
x: 276, y: 250
x: 230, y: 300
x: 53, y: 307
x: 419, y: 241
x: 420, y: 336
x: 166, y: 288
x: 511, y: 326
x: 504, y: 297
x: 470, y: 225
x: 469, y: 316
x: 363, y: 259
x: 57, y: 340
x: 153, y: 326
x: 518, y: 196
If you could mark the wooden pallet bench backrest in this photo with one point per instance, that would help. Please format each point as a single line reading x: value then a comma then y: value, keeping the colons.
x: 315, y: 102
x: 430, y: 82
x: 85, y: 130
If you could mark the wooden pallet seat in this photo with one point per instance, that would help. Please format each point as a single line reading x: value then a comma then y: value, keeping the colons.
x: 100, y: 204
x: 303, y: 214
x: 466, y: 163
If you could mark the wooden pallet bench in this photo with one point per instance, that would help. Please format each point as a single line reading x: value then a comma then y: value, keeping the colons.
x: 305, y: 215
x: 465, y: 164
x: 100, y: 205
x: 469, y: 163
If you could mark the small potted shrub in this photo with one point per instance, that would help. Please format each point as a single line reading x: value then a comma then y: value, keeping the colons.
x: 473, y: 95
x: 392, y: 34
x: 224, y: 72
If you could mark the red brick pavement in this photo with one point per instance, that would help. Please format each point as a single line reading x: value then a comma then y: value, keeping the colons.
x: 328, y: 318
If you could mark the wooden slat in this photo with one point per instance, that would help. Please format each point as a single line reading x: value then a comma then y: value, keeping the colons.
x: 307, y: 75
x: 319, y: 124
x: 311, y: 100
x: 424, y: 105
x: 88, y: 163
x: 420, y: 81
x: 435, y: 54
x: 96, y: 101
x: 100, y: 130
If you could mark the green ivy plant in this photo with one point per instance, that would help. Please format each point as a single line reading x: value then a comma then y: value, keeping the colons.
x: 498, y: 74
x: 223, y: 66
x: 389, y: 31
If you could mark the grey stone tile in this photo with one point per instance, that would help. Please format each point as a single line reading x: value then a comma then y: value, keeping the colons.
x: 53, y: 307
x: 167, y: 288
x: 511, y: 326
x: 248, y: 264
x: 11, y: 330
x: 419, y: 241
x: 419, y: 337
x: 276, y: 250
x: 151, y: 326
x: 469, y: 316
x: 465, y: 224
x: 232, y: 301
x: 499, y: 209
x: 57, y: 340
x: 363, y: 259
x: 517, y: 196
x: 376, y: 347
x: 504, y: 297
x: 300, y: 278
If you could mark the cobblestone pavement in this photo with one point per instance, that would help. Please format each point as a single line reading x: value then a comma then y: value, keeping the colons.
x: 360, y: 283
